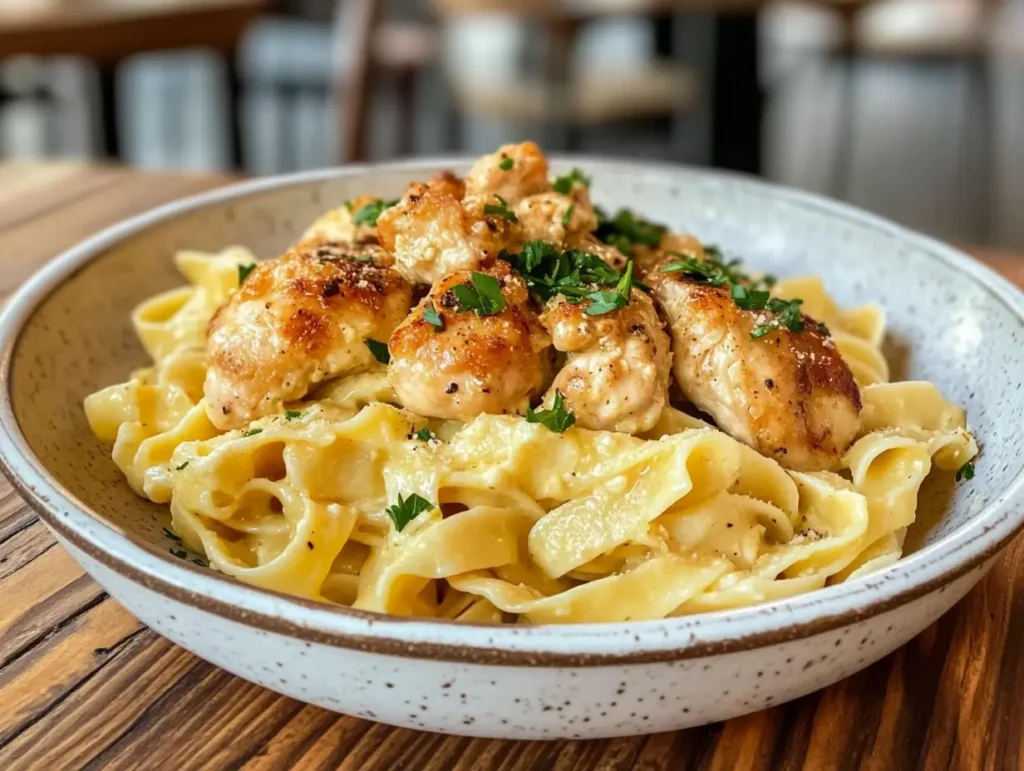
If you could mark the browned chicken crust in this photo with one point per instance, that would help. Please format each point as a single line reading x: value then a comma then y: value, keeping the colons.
x: 475, y: 364
x: 295, y: 322
x: 617, y: 367
x: 788, y: 395
x: 433, y: 232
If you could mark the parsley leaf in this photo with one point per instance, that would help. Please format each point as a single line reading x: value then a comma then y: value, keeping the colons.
x: 407, y: 509
x: 822, y: 329
x: 182, y: 467
x: 549, y: 271
x: 606, y: 301
x: 172, y: 535
x: 557, y: 419
x: 708, y: 270
x: 425, y: 435
x: 291, y: 415
x: 432, y: 317
x: 244, y: 271
x: 789, y: 317
x: 484, y: 296
x: 750, y: 299
x: 368, y: 214
x: 965, y: 472
x: 252, y: 432
x: 565, y: 184
x: 379, y: 350
x: 506, y: 163
x: 501, y: 209
x: 567, y: 217
x: 625, y: 230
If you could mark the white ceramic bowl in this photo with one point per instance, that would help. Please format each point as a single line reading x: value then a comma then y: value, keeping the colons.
x: 951, y: 321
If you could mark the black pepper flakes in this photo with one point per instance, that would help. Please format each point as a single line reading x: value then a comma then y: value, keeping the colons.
x: 452, y: 388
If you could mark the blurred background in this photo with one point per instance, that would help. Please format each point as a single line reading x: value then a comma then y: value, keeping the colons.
x: 911, y: 108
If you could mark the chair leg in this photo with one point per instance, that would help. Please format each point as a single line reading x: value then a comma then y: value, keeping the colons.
x: 561, y: 132
x: 982, y: 152
x: 107, y: 80
x: 842, y: 157
x: 405, y: 92
x: 234, y: 109
x: 356, y: 28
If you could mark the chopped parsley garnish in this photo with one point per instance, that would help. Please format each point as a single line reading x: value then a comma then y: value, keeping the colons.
x: 625, y: 230
x: 252, y: 432
x: 564, y: 185
x: 432, y: 317
x: 291, y: 415
x: 607, y: 301
x: 567, y: 217
x: 182, y: 467
x: 549, y: 271
x: 506, y: 163
x: 789, y: 316
x: 244, y: 271
x: 708, y: 270
x: 747, y: 294
x: 425, y: 435
x: 965, y: 472
x: 557, y: 419
x: 501, y: 209
x: 484, y: 297
x: 407, y: 509
x: 179, y: 553
x: 368, y: 214
x: 750, y: 299
x: 172, y: 535
x: 379, y: 350
x: 824, y: 330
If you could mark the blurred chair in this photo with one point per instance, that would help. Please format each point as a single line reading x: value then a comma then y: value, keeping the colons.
x: 106, y: 32
x: 370, y: 45
x: 560, y: 99
x: 923, y: 33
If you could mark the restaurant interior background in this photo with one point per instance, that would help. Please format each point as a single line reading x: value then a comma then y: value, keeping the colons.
x: 910, y: 108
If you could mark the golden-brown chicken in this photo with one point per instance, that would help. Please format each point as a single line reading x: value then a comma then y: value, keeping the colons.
x: 340, y: 226
x: 469, y: 363
x: 563, y: 220
x: 513, y: 172
x: 295, y: 322
x: 617, y: 370
x: 787, y: 394
x: 433, y: 232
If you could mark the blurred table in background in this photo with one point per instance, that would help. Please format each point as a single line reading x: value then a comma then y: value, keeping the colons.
x: 106, y: 32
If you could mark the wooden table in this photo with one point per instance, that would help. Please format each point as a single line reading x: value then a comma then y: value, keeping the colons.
x: 84, y: 683
x: 106, y: 32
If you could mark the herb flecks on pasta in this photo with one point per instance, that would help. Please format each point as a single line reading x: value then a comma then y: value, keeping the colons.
x: 504, y: 447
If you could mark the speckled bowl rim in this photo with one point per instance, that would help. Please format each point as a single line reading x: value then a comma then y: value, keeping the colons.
x: 923, y: 572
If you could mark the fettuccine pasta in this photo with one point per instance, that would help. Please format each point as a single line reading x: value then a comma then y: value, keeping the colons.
x: 551, y: 527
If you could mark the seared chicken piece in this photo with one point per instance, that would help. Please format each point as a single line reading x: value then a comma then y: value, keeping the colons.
x: 474, y: 364
x: 513, y: 173
x: 339, y: 225
x: 296, y: 321
x: 606, y: 252
x: 432, y: 232
x: 616, y: 374
x: 789, y: 395
x: 563, y: 220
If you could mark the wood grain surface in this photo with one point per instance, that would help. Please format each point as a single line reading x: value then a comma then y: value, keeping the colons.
x: 85, y: 685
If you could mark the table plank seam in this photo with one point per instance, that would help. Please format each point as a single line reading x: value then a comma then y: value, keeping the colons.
x: 54, y: 205
x: 20, y: 526
x: 116, y: 649
x: 46, y: 635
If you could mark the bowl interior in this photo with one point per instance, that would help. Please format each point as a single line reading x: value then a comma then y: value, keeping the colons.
x: 944, y: 324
